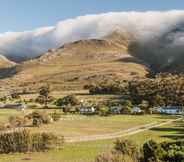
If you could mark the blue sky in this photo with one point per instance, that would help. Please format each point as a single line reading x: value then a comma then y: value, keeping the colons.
x: 20, y: 15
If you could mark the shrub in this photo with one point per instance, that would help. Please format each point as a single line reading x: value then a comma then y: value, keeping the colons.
x: 68, y: 100
x: 113, y: 157
x: 127, y: 107
x: 103, y: 111
x: 40, y: 118
x: 127, y: 147
x: 17, y: 121
x: 44, y: 94
x: 56, y: 116
x: 151, y: 151
x: 36, y: 122
x: 24, y: 141
x: 2, y: 127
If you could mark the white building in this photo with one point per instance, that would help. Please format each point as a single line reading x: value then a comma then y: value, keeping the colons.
x: 136, y: 110
x: 173, y: 110
x: 87, y: 110
x: 18, y: 106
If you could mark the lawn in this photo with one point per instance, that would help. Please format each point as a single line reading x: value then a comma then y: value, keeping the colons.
x: 86, y: 151
x: 77, y: 125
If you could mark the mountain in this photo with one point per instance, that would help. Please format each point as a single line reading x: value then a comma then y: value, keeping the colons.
x: 5, y: 63
x: 79, y: 63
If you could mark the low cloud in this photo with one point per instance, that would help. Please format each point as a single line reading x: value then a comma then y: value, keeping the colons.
x: 153, y: 27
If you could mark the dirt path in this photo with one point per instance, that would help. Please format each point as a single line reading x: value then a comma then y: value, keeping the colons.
x: 119, y: 134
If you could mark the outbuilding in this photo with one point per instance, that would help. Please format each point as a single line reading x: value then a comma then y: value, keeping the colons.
x: 136, y: 110
x: 87, y: 110
x: 172, y: 110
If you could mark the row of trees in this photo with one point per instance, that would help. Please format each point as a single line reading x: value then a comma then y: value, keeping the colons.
x: 109, y: 87
x: 160, y: 91
x: 127, y: 151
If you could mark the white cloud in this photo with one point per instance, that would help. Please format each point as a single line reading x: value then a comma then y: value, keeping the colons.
x: 144, y: 25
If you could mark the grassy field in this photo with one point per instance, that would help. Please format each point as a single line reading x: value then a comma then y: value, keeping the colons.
x: 78, y: 125
x: 86, y: 151
x: 75, y: 125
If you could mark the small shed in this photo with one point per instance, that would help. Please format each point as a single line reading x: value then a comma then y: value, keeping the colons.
x: 87, y: 110
x: 136, y: 110
x: 19, y: 106
x: 172, y: 110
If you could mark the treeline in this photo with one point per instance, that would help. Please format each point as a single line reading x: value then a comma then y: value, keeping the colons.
x: 164, y: 89
x: 127, y: 151
x: 109, y: 87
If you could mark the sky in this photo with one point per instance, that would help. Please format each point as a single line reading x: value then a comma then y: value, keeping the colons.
x: 23, y: 15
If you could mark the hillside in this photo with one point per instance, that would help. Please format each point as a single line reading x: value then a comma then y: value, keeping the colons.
x: 75, y: 64
x: 4, y: 62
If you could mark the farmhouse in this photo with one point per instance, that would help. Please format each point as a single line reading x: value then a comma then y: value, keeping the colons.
x: 173, y: 110
x: 136, y: 110
x: 87, y: 110
x: 18, y: 106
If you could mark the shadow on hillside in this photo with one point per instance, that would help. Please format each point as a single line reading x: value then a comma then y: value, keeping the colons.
x: 7, y: 72
x: 174, y: 133
x: 131, y: 60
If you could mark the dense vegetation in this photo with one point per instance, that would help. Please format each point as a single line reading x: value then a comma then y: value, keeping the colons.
x: 164, y: 89
x: 127, y: 151
x: 109, y: 87
x: 24, y: 141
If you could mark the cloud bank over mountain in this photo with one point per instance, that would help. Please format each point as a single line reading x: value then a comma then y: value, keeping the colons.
x: 160, y: 33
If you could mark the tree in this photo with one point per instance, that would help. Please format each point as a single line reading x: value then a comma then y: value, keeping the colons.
x: 158, y: 101
x: 103, y: 111
x: 71, y: 100
x: 44, y: 94
x: 145, y: 106
x: 127, y: 107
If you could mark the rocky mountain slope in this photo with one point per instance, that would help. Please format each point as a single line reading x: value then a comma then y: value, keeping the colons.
x: 79, y: 63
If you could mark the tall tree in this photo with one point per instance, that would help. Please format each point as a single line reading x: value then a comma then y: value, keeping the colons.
x: 44, y: 93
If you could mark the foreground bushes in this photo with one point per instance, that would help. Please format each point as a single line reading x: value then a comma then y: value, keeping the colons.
x: 24, y: 141
x: 39, y: 118
x: 126, y: 151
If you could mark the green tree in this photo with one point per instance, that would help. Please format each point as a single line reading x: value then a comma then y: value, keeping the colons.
x: 67, y: 100
x: 127, y: 107
x: 145, y: 106
x: 158, y: 101
x: 44, y: 94
x: 103, y: 111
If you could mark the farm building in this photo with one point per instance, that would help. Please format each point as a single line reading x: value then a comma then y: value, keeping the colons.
x: 18, y: 106
x: 173, y: 110
x: 87, y: 110
x: 136, y: 110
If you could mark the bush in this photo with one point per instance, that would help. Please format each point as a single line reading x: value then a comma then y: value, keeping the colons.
x: 127, y: 147
x: 17, y: 121
x: 113, y: 157
x: 2, y: 127
x: 24, y: 141
x: 103, y: 111
x: 164, y: 152
x: 56, y: 116
x: 40, y: 118
x: 151, y: 151
x: 36, y: 122
x: 68, y: 100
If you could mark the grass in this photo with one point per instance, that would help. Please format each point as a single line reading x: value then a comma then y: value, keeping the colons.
x: 78, y: 125
x: 74, y: 125
x: 87, y: 151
